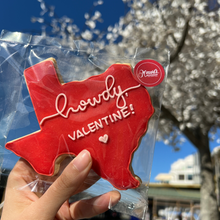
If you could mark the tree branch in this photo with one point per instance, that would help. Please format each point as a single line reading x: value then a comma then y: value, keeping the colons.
x: 179, y: 48
x: 194, y: 136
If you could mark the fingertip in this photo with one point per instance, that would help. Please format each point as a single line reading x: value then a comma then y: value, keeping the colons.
x: 115, y: 197
x: 95, y: 206
x: 82, y: 160
x: 108, y: 200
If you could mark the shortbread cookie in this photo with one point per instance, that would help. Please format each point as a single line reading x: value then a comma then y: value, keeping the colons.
x: 106, y: 114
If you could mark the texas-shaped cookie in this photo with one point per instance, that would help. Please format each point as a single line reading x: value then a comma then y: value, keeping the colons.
x: 106, y: 114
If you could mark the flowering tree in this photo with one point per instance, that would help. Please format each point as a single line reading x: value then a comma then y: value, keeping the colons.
x: 191, y: 104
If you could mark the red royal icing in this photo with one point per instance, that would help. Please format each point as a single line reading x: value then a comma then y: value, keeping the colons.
x: 106, y: 114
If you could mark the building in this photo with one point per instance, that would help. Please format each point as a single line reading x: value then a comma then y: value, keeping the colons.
x: 183, y: 172
x: 169, y: 201
x: 178, y: 192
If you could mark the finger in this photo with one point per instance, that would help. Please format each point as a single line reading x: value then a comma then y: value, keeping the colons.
x: 94, y: 206
x: 90, y: 180
x: 65, y: 185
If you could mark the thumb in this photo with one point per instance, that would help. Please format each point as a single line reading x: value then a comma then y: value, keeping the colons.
x: 65, y: 185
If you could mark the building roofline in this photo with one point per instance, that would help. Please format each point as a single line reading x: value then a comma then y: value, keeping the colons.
x: 168, y: 185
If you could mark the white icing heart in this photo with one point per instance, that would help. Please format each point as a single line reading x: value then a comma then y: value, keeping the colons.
x: 103, y: 139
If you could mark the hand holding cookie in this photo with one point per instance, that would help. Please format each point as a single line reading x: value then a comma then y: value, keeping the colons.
x: 53, y: 204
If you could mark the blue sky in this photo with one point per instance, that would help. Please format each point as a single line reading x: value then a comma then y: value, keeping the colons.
x: 15, y: 15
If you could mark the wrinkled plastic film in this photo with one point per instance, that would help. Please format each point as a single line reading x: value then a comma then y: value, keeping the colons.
x: 77, y: 61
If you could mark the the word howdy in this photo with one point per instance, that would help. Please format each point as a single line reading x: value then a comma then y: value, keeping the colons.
x: 110, y: 92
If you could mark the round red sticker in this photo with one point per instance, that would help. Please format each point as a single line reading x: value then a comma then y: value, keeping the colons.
x: 149, y: 73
